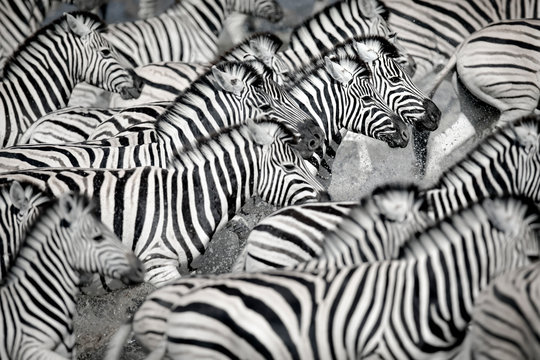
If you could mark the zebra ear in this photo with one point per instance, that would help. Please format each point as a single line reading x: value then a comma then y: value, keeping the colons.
x: 17, y: 196
x: 227, y: 82
x: 504, y: 218
x: 76, y: 26
x: 337, y: 72
x: 527, y: 138
x: 365, y: 52
x: 393, y: 209
x: 264, y: 54
x: 68, y: 207
x: 259, y: 133
x: 368, y: 8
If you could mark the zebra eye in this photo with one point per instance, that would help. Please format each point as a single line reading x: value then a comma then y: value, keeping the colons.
x: 289, y: 168
x: 99, y: 238
x: 367, y: 99
x: 265, y: 108
x: 105, y: 52
x: 395, y: 79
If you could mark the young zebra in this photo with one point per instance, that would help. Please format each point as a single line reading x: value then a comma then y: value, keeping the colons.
x: 505, y: 320
x: 19, y: 206
x: 416, y: 308
x: 41, y: 74
x: 168, y: 216
x: 38, y: 297
x: 347, y: 232
x: 20, y: 19
x: 487, y: 67
x: 188, y: 31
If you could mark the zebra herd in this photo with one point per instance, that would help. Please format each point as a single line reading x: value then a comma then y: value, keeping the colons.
x: 133, y: 189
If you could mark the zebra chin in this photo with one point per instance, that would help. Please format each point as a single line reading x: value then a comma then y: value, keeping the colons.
x: 134, y: 90
x: 398, y: 138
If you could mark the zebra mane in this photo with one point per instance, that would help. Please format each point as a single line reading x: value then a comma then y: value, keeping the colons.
x: 380, y: 44
x: 530, y: 123
x: 352, y: 63
x: 265, y: 40
x: 224, y: 135
x: 380, y: 9
x: 57, y: 26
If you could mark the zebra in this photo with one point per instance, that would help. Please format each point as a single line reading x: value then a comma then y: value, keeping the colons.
x: 228, y: 95
x: 177, y: 127
x: 504, y: 320
x: 367, y: 230
x: 416, y: 307
x: 504, y: 163
x: 20, y: 205
x: 19, y: 20
x: 188, y: 31
x: 336, y: 23
x: 168, y: 215
x: 38, y: 297
x: 430, y: 31
x: 487, y: 68
x: 79, y: 53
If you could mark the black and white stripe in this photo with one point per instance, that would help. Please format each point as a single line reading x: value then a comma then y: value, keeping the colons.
x: 38, y: 296
x: 417, y: 307
x: 430, y: 30
x: 343, y: 233
x: 41, y: 74
x: 505, y: 320
x: 168, y: 216
x: 188, y: 31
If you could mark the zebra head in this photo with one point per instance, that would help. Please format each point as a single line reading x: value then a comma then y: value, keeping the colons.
x: 91, y: 246
x: 19, y: 207
x: 98, y: 62
x: 392, y: 82
x: 263, y: 96
x: 284, y: 177
x: 266, y: 9
x: 368, y: 113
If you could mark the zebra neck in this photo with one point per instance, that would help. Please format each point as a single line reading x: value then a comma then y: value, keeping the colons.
x: 324, y: 101
x: 42, y: 256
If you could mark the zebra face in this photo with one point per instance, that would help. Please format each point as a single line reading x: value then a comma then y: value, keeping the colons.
x: 284, y: 176
x: 103, y: 69
x: 93, y: 246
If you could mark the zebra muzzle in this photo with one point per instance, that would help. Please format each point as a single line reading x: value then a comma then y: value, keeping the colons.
x: 135, y: 274
x: 132, y: 92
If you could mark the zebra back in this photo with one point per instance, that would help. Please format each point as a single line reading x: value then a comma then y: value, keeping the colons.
x: 188, y: 31
x: 382, y: 307
x: 66, y: 239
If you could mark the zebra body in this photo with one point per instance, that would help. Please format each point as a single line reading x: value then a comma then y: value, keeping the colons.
x: 505, y: 321
x: 79, y: 53
x: 38, y: 297
x: 430, y: 31
x: 408, y: 308
x: 342, y: 233
x: 487, y: 66
x: 168, y: 216
x: 504, y: 163
x: 188, y: 31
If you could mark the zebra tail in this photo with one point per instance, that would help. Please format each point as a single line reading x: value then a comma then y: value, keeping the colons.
x: 441, y: 75
x: 117, y: 342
